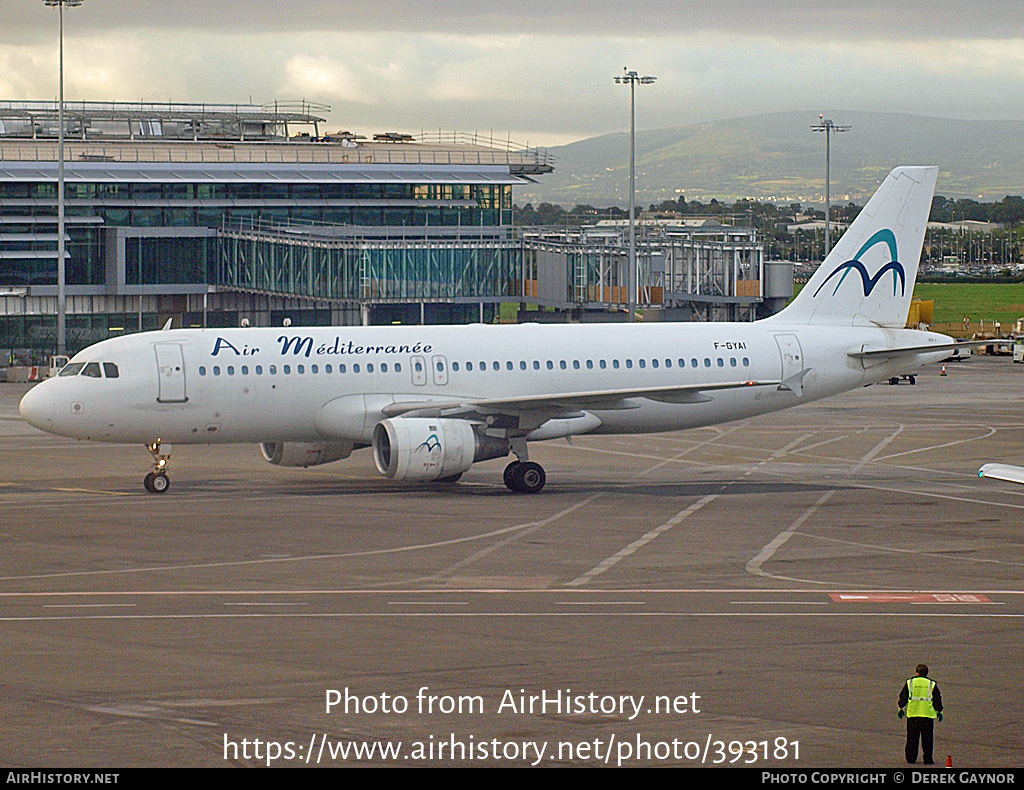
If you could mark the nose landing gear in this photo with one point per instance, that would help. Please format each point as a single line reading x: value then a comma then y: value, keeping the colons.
x: 157, y: 481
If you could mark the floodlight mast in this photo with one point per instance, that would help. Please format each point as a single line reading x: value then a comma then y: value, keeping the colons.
x: 61, y: 250
x: 632, y: 79
x: 828, y: 127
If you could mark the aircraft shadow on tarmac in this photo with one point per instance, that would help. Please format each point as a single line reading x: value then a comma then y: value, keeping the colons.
x: 481, y: 489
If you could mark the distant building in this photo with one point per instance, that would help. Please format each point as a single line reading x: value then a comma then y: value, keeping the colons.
x: 967, y: 226
x: 153, y: 191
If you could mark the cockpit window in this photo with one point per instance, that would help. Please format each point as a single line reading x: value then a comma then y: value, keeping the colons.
x: 92, y: 369
x: 72, y: 369
x: 110, y: 370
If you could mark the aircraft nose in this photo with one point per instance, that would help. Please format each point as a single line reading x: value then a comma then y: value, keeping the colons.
x: 37, y: 407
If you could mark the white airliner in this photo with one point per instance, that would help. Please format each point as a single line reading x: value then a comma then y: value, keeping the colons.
x: 433, y: 400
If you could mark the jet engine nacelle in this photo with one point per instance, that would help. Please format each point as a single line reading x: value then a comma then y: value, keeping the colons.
x: 305, y: 453
x: 415, y: 448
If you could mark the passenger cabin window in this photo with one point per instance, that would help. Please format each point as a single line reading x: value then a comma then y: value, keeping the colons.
x: 92, y: 370
x: 110, y: 370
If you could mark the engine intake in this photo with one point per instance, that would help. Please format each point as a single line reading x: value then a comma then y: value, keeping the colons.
x: 414, y: 448
x: 305, y: 453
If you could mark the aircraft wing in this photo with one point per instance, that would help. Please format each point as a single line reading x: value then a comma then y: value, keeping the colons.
x: 569, y: 401
x: 908, y: 351
x: 1013, y: 474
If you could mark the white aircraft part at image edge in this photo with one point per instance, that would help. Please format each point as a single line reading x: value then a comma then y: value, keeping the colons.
x: 433, y: 400
x: 1011, y: 474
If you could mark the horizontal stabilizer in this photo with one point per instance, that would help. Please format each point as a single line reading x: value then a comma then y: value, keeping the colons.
x: 1013, y: 474
x: 910, y: 351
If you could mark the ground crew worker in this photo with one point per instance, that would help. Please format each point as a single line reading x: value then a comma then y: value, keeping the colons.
x: 921, y: 702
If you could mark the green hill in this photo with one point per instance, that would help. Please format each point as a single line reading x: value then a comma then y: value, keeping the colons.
x: 777, y: 157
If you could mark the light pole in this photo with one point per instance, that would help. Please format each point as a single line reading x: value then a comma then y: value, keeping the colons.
x: 61, y: 294
x: 632, y: 79
x: 825, y: 125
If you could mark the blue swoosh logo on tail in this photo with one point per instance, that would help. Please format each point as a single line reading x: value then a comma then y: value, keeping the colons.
x: 899, y: 275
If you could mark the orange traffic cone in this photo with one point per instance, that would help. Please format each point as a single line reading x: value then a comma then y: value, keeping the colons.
x: 943, y: 373
x: 949, y: 761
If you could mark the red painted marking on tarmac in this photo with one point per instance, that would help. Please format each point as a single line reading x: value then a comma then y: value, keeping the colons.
x: 909, y: 598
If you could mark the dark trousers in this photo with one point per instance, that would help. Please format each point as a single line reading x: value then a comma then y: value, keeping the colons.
x: 920, y: 728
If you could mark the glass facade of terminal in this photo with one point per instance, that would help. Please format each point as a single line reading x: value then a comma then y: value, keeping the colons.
x: 28, y: 211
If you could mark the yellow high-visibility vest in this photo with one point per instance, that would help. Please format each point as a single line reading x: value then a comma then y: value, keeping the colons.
x: 919, y: 703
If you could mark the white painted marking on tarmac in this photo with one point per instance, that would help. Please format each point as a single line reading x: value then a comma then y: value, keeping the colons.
x: 767, y: 552
x: 527, y: 530
x: 264, y: 603
x: 512, y: 591
x: 88, y: 605
x: 780, y: 603
x: 579, y: 614
x: 306, y: 558
x: 451, y: 569
x: 601, y: 603
x: 428, y: 603
x: 678, y: 518
x: 639, y: 543
x: 915, y: 552
x: 991, y: 431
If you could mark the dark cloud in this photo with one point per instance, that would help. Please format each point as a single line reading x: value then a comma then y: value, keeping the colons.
x: 28, y: 20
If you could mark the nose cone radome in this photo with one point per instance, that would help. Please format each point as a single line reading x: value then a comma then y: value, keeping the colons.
x: 36, y: 407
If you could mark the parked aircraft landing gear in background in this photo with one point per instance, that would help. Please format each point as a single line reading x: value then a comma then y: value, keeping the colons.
x: 157, y: 481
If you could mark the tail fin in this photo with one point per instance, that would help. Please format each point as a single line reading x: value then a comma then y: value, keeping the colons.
x: 868, y: 278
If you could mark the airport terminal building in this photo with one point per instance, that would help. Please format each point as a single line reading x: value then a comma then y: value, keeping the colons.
x: 214, y: 214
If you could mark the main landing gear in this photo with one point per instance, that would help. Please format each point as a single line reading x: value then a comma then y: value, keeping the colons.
x: 157, y: 481
x: 525, y: 477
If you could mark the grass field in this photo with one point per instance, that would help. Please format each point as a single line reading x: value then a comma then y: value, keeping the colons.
x: 988, y: 302
x: 1003, y: 302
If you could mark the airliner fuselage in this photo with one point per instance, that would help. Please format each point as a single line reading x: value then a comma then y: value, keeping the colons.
x: 315, y: 384
x: 432, y: 401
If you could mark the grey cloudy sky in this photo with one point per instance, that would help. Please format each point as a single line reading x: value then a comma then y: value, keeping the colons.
x: 540, y: 70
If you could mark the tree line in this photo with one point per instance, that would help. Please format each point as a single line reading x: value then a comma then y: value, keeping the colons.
x: 1008, y: 211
